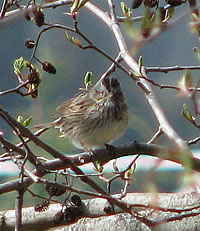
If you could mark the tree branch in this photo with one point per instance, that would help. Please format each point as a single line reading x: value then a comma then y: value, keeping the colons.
x: 173, y: 68
x: 159, y: 210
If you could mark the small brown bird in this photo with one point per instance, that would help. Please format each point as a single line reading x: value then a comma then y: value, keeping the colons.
x: 94, y: 117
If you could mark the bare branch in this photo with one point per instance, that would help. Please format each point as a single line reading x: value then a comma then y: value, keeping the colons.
x: 16, y: 89
x: 173, y: 68
x: 18, y: 210
x: 157, y: 210
x: 3, y: 9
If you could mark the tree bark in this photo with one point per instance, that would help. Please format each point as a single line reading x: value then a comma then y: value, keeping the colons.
x: 151, y: 211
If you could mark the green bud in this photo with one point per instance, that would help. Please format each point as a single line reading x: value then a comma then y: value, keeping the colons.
x: 27, y: 121
x: 23, y: 121
x: 187, y: 114
x: 88, y: 79
x: 140, y: 62
x: 98, y: 167
x: 74, y: 6
x: 126, y: 10
x: 130, y: 172
x: 169, y: 14
x: 19, y: 65
x: 20, y: 119
x: 73, y: 40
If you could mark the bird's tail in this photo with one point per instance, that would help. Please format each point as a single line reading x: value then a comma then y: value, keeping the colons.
x: 44, y: 126
x: 52, y: 124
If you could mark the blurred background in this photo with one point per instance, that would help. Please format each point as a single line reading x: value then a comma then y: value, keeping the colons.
x: 173, y: 47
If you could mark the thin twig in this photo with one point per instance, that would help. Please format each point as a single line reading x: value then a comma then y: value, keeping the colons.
x: 31, y: 157
x: 132, y: 19
x: 16, y: 147
x: 15, y: 90
x: 18, y: 209
x: 170, y: 68
x: 194, y: 141
x: 49, y: 27
x: 112, y: 67
x: 155, y: 136
x: 3, y: 9
x: 162, y: 86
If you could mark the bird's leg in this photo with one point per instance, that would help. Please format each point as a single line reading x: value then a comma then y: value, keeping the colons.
x: 91, y: 153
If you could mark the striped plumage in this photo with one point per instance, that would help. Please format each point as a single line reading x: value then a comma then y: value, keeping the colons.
x: 93, y: 117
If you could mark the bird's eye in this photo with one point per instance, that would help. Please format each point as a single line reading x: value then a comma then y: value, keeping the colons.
x: 101, y: 93
x: 114, y: 83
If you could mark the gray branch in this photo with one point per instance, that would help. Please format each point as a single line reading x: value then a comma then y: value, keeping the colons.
x: 163, y: 211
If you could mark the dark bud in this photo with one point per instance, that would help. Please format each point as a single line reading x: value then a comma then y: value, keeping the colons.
x: 48, y: 67
x: 29, y: 43
x: 43, y: 206
x: 70, y: 214
x: 34, y: 94
x: 150, y: 3
x: 76, y: 200
x: 136, y: 3
x: 58, y: 218
x: 33, y: 78
x: 39, y: 17
x: 108, y: 210
x: 54, y: 191
x: 38, y: 208
x: 175, y: 2
x: 27, y: 16
x: 162, y: 11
